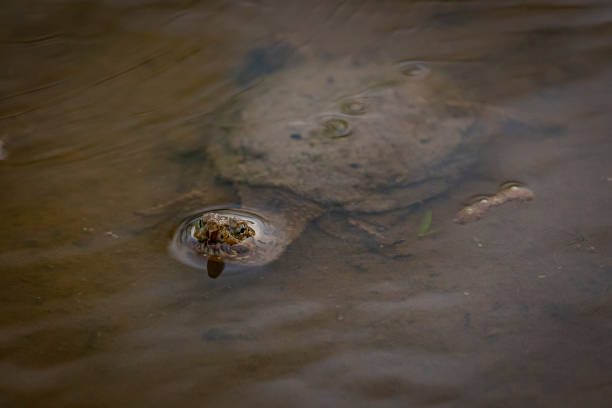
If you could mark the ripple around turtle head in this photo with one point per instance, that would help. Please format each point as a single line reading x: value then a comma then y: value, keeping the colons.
x: 264, y: 247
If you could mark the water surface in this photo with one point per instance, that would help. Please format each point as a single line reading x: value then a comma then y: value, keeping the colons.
x: 105, y: 113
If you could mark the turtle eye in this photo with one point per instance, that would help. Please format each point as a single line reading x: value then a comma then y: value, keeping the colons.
x: 242, y: 230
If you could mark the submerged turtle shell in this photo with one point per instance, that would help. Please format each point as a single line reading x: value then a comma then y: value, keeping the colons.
x: 365, y: 138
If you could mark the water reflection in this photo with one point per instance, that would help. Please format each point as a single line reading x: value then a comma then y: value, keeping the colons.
x: 214, y: 266
x: 116, y: 122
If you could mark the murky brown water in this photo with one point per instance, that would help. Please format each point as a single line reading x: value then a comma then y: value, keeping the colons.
x: 104, y: 107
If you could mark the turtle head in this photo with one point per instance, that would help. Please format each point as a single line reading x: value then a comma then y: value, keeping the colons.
x: 240, y: 229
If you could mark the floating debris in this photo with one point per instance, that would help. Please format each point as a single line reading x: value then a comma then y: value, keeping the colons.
x: 425, y: 225
x: 510, y: 190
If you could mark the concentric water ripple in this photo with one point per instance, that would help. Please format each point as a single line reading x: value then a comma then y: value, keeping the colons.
x: 257, y: 250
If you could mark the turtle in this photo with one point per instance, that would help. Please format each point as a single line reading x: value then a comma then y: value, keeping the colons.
x: 214, y: 231
x: 362, y: 137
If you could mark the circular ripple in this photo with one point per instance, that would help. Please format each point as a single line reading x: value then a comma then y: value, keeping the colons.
x: 353, y: 107
x: 336, y: 128
x: 509, y: 183
x: 416, y: 70
x: 256, y: 250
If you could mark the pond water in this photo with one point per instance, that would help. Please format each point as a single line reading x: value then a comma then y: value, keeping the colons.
x: 108, y: 114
